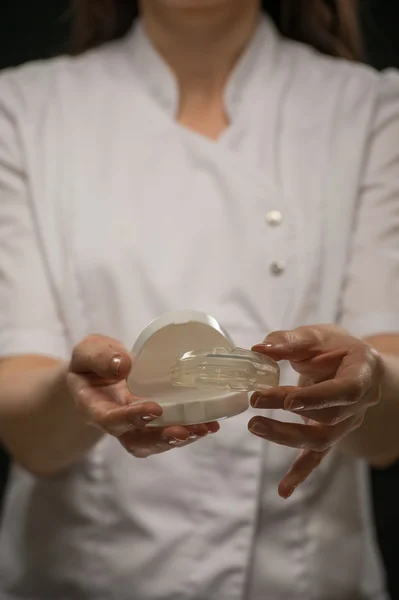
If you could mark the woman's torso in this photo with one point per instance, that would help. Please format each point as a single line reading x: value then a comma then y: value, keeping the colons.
x: 138, y: 216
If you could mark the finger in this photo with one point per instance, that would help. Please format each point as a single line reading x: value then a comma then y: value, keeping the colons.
x: 212, y: 427
x: 326, y: 394
x: 142, y: 444
x: 296, y: 345
x: 364, y: 364
x: 101, y: 356
x: 330, y: 416
x: 102, y: 407
x: 295, y: 435
x: 273, y: 399
x: 175, y: 436
x: 355, y: 378
x: 304, y: 465
x: 118, y: 421
x: 322, y: 366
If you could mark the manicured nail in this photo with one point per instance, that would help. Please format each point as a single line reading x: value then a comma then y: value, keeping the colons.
x: 116, y: 365
x: 140, y: 420
x: 263, y: 346
x: 192, y: 437
x: 295, y: 406
x: 175, y: 441
x: 149, y: 418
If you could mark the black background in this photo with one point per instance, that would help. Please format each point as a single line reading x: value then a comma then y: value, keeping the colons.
x: 39, y: 28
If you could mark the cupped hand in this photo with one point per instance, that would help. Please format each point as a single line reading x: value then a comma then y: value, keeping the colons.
x: 340, y: 378
x: 97, y: 381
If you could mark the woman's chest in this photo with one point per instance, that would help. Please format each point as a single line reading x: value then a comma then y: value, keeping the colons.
x: 185, y: 228
x: 165, y: 221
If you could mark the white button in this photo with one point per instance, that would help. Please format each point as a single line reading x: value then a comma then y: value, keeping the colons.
x: 277, y: 268
x: 274, y: 217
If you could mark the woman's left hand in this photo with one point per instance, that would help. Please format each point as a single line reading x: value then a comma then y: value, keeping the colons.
x: 340, y: 378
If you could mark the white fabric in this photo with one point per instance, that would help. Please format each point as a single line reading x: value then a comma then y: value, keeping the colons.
x: 111, y: 214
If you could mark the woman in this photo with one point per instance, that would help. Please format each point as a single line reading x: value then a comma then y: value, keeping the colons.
x: 202, y: 161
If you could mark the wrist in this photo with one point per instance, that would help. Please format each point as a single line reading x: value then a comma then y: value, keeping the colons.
x: 377, y: 439
x: 40, y: 424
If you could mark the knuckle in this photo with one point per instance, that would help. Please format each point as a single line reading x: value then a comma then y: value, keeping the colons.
x: 335, y: 419
x: 354, y: 390
x: 377, y: 362
x: 312, y: 334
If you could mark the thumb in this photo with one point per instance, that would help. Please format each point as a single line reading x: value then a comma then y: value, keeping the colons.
x: 101, y: 356
x: 291, y: 345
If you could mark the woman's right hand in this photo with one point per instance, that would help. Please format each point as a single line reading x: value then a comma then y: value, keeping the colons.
x: 97, y: 381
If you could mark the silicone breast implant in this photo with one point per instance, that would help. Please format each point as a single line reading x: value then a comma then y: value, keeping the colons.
x: 195, y: 386
x: 219, y: 369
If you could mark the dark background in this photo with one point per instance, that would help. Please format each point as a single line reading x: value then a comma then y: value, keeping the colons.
x: 31, y: 29
x: 39, y: 28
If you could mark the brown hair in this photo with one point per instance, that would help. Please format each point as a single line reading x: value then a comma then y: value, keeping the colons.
x: 330, y: 26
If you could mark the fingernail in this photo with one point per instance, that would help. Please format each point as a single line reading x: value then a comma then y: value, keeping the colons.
x: 149, y: 418
x: 263, y: 346
x: 291, y: 493
x: 140, y: 420
x: 116, y: 365
x: 295, y: 406
x: 175, y: 441
x: 192, y: 437
x: 255, y: 400
x: 259, y: 428
x: 210, y: 431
